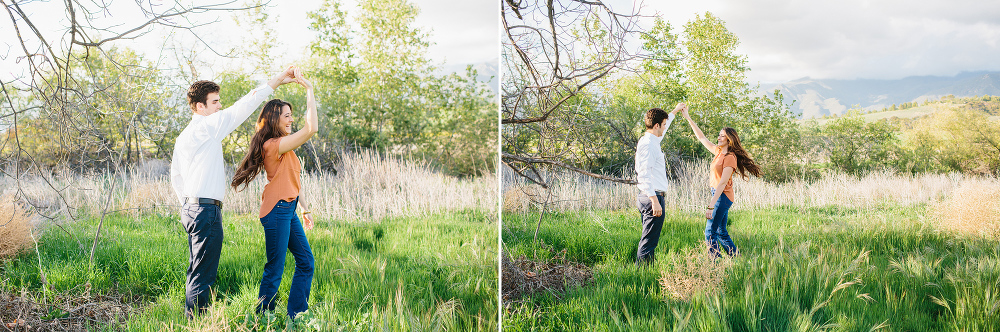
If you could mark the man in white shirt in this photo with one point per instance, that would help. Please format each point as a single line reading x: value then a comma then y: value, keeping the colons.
x: 198, y: 175
x: 651, y: 175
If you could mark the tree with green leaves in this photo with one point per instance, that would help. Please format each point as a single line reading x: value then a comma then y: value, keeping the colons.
x: 855, y: 146
x: 378, y: 90
x: 719, y: 96
x: 388, y: 104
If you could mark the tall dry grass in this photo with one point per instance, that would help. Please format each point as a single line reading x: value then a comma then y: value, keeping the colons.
x: 973, y: 208
x: 690, y: 191
x: 15, y: 228
x: 366, y: 187
x: 694, y: 273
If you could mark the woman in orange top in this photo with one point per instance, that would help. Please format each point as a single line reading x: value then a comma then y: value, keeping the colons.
x: 729, y: 157
x: 272, y: 149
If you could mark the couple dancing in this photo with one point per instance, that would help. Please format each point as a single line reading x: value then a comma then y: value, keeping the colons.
x: 197, y: 174
x: 651, y: 176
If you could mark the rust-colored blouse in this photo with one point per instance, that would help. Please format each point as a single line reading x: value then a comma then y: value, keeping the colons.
x: 719, y: 163
x: 282, y: 176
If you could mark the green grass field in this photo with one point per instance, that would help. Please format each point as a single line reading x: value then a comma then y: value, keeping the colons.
x: 808, y: 269
x: 400, y: 274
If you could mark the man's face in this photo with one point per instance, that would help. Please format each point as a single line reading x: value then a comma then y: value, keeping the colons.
x: 659, y: 130
x: 214, y: 105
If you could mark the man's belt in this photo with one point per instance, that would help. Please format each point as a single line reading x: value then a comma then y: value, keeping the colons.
x: 203, y: 201
x: 661, y: 193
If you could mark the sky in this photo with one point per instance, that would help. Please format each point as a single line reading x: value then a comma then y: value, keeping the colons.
x: 461, y: 32
x: 848, y: 39
x: 783, y: 39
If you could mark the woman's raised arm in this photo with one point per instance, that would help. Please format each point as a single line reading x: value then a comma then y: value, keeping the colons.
x: 697, y: 132
x: 293, y: 141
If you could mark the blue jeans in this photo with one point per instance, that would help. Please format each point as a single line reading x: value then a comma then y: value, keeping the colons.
x: 651, y: 226
x: 203, y: 224
x: 715, y: 228
x: 283, y: 231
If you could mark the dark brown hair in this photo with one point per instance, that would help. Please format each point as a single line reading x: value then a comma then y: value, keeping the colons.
x: 654, y: 116
x: 198, y: 93
x: 744, y: 163
x: 267, y: 128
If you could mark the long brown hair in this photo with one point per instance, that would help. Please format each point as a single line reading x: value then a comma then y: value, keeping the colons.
x: 267, y: 128
x: 744, y: 163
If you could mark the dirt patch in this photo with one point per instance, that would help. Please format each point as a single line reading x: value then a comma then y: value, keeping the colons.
x: 524, y: 276
x: 64, y: 312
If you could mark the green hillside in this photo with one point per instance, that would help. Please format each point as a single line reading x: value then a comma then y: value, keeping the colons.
x: 987, y: 104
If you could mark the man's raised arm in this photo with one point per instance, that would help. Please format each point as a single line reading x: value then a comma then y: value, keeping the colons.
x: 225, y: 121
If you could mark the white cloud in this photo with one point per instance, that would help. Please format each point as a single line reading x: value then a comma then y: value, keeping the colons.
x: 789, y: 39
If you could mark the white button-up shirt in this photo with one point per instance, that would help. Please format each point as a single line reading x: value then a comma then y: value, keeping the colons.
x: 197, y: 168
x: 650, y: 165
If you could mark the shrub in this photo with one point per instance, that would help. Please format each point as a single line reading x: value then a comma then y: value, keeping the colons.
x: 15, y: 228
x: 974, y: 209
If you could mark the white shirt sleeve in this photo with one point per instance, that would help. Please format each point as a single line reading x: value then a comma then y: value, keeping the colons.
x: 670, y: 119
x: 642, y: 169
x: 223, y: 122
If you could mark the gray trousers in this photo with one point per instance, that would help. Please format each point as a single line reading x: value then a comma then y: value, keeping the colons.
x: 650, y: 230
x: 203, y: 224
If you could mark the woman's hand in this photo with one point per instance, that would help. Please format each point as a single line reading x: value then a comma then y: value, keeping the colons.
x: 708, y: 214
x: 307, y: 217
x: 301, y: 79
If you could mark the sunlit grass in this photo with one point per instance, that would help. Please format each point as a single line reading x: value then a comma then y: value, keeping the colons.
x: 830, y: 268
x: 396, y: 274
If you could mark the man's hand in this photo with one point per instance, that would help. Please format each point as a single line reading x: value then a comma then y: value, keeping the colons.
x: 288, y: 76
x: 657, y: 210
x: 284, y: 77
x: 680, y: 107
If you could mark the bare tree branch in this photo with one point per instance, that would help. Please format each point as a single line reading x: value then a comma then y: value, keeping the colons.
x: 84, y: 104
x: 554, y: 52
x: 514, y: 158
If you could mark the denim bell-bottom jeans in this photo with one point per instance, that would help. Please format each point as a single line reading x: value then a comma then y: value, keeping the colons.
x: 283, y: 231
x: 715, y: 228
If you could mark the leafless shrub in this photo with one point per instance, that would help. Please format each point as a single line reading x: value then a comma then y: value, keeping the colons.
x: 524, y: 276
x: 554, y: 52
x: 76, y: 312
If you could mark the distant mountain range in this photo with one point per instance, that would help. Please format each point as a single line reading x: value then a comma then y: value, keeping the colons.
x: 819, y: 97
